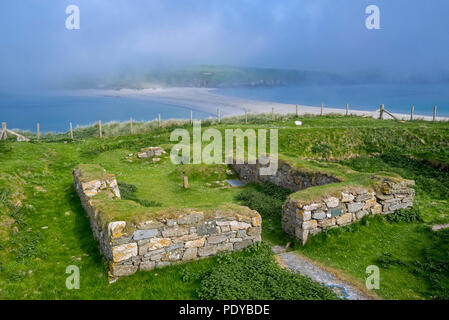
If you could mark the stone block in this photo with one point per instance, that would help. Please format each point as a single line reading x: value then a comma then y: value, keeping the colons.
x: 119, y: 270
x: 344, y: 219
x: 175, y: 232
x: 327, y: 223
x: 347, y: 197
x: 235, y: 225
x: 207, y: 228
x: 195, y: 243
x: 320, y: 215
x: 216, y: 239
x: 116, y: 229
x: 190, y: 254
x: 124, y: 252
x: 332, y: 202
x: 207, y: 251
x: 311, y: 224
x: 154, y: 244
x: 145, y: 234
x: 355, y: 206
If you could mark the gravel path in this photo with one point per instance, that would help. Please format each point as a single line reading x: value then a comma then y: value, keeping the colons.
x: 297, y: 264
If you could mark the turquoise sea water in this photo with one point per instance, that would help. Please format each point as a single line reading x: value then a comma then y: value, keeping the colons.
x: 54, y: 111
x: 397, y: 98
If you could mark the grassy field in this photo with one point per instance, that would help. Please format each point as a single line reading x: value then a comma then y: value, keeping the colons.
x: 44, y: 229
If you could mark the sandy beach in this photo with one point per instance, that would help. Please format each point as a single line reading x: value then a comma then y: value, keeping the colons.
x: 207, y: 100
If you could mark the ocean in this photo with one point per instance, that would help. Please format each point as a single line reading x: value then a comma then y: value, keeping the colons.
x: 396, y: 98
x: 54, y: 111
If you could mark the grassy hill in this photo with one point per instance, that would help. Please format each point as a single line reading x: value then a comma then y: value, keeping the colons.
x: 209, y: 77
x: 44, y: 229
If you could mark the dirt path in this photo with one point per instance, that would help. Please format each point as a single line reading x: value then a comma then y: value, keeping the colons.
x: 298, y: 264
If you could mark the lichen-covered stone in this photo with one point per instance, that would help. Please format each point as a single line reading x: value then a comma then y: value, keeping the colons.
x: 195, y: 243
x: 115, y: 229
x: 124, y: 252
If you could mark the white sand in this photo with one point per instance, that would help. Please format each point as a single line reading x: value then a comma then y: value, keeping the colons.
x: 207, y: 100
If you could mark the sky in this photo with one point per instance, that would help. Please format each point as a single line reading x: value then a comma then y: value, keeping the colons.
x: 133, y: 35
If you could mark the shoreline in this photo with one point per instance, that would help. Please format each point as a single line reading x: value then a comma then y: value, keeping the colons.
x: 206, y: 100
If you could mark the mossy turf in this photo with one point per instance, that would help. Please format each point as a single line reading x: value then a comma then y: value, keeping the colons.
x: 53, y: 231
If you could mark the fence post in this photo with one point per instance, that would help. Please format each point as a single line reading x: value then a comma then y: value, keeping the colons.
x: 218, y: 115
x: 38, y: 132
x: 322, y: 107
x: 246, y: 116
x: 411, y: 113
x: 131, y: 125
x: 99, y: 128
x: 272, y: 114
x: 191, y: 117
x: 347, y: 109
x: 381, y: 114
x: 4, y: 135
x: 297, y: 113
x: 159, y: 120
x: 434, y: 113
x: 71, y: 131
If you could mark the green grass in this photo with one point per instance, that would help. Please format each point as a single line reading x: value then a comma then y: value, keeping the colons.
x: 54, y: 231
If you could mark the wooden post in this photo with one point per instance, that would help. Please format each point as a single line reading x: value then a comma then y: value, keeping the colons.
x: 434, y: 113
x: 159, y: 120
x: 131, y: 125
x: 297, y: 113
x: 381, y: 114
x: 218, y: 115
x: 71, y: 131
x: 4, y: 135
x: 246, y: 116
x: 322, y: 107
x: 272, y: 114
x: 191, y: 117
x: 347, y: 109
x: 99, y: 128
x: 38, y: 132
x: 186, y: 182
x: 411, y: 113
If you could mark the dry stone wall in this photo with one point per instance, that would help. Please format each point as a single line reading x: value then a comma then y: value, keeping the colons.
x: 164, y: 241
x: 301, y: 219
x: 285, y: 176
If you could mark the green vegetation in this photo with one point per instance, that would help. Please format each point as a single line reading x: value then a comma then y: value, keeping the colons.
x: 210, y: 76
x: 268, y: 200
x: 43, y: 228
x: 257, y: 276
